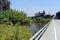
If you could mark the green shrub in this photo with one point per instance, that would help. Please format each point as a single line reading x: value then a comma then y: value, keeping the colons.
x: 10, y: 32
x: 14, y: 16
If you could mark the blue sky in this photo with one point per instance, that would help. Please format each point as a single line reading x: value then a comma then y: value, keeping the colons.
x: 33, y: 6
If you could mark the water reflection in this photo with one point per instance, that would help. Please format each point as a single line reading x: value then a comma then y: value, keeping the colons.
x: 35, y: 27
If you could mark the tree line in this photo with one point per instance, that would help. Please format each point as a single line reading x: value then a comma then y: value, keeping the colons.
x: 43, y: 14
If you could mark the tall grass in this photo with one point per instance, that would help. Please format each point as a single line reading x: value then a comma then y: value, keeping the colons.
x: 10, y: 32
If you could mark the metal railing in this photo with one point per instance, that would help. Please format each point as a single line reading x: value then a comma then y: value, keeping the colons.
x: 38, y: 35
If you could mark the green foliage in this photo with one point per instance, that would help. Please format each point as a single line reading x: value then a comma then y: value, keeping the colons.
x: 10, y: 32
x: 14, y: 16
x: 42, y: 20
x: 25, y: 33
x: 12, y: 25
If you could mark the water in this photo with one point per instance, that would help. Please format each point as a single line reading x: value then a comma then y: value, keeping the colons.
x: 35, y: 27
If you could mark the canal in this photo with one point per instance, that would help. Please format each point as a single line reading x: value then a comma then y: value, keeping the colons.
x: 35, y: 27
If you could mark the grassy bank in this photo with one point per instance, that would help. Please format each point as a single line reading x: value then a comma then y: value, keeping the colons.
x: 10, y: 32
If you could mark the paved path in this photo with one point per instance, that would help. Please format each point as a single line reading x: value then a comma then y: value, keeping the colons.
x: 53, y: 31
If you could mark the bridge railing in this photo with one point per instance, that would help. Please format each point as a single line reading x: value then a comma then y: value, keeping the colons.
x: 38, y: 35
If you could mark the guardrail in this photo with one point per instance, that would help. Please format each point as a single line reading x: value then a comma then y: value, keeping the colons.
x: 38, y: 35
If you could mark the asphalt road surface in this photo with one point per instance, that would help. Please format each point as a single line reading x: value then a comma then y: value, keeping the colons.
x: 53, y: 31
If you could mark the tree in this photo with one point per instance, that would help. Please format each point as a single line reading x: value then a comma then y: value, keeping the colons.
x: 47, y: 16
x: 58, y: 15
x: 4, y: 5
x: 42, y: 14
x: 39, y: 14
x: 52, y: 16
